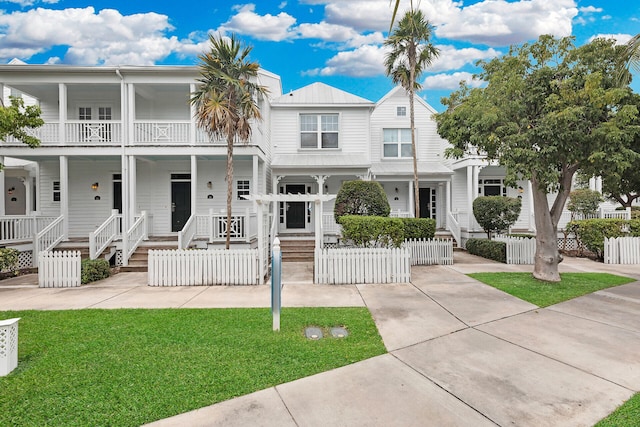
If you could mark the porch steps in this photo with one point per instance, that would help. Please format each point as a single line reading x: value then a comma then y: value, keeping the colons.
x: 75, y: 244
x: 297, y: 250
x: 139, y: 261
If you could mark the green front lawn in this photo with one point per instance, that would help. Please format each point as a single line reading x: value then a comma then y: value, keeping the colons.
x: 543, y: 294
x: 129, y: 367
x: 627, y: 415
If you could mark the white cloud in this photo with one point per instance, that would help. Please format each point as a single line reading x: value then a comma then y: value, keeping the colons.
x: 24, y: 3
x: 106, y: 37
x: 450, y: 81
x: 262, y: 27
x: 619, y: 38
x: 590, y: 9
x: 337, y: 33
x: 500, y: 23
x: 362, y: 62
x: 451, y: 58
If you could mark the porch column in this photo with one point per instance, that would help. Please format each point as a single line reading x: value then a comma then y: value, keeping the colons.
x: 3, y: 191
x: 133, y: 184
x: 194, y: 185
x: 64, y: 196
x: 192, y: 122
x: 447, y: 203
x: 470, y: 192
x: 62, y: 113
x: 255, y: 183
x: 532, y: 222
x: 592, y: 183
x: 412, y: 200
x: 319, y: 206
x: 439, y: 209
x: 28, y: 194
x: 275, y: 206
x: 262, y: 244
x: 599, y: 184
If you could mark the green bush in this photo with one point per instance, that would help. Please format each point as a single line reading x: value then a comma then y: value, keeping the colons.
x: 8, y: 259
x: 489, y: 249
x: 584, y: 201
x: 496, y: 213
x: 592, y: 232
x: 419, y: 228
x: 94, y: 269
x: 361, y: 198
x: 372, y: 231
x: 634, y: 227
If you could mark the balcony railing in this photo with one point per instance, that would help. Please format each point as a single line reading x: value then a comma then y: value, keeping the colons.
x: 161, y: 132
x: 85, y: 132
x: 47, y: 134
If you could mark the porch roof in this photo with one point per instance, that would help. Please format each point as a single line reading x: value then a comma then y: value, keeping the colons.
x: 321, y: 161
x: 290, y: 197
x: 406, y: 168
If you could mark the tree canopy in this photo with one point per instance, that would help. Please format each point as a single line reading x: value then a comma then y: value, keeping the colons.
x: 548, y: 109
x: 16, y: 118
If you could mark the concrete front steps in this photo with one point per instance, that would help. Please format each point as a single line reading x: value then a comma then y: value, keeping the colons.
x: 139, y: 261
x: 297, y: 249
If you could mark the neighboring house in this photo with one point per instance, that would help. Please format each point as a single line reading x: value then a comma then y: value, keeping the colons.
x: 124, y: 140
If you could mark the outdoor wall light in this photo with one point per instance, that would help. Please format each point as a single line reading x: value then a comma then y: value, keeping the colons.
x: 209, y: 184
x: 520, y: 190
x: 326, y: 187
x: 396, y: 189
x: 95, y: 186
x: 11, y: 190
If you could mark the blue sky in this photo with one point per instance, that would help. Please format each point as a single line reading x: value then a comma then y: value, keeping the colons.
x: 338, y: 42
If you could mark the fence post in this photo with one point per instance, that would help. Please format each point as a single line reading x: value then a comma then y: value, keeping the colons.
x: 276, y: 283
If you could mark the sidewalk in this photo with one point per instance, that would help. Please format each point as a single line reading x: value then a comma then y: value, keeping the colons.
x: 460, y: 352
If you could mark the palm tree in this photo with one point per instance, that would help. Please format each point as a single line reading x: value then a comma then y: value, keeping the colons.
x: 225, y: 99
x: 410, y: 53
x: 630, y: 60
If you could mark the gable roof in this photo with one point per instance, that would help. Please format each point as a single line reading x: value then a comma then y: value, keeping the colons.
x: 393, y: 92
x: 320, y: 94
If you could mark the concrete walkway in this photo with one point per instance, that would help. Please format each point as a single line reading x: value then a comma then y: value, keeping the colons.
x: 460, y: 352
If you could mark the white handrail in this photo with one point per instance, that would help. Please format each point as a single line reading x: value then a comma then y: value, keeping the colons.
x: 188, y: 232
x: 22, y: 228
x: 134, y: 236
x: 104, y: 235
x: 48, y: 238
x: 454, y: 228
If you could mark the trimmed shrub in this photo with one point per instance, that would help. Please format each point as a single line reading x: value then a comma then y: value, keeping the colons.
x: 419, y: 228
x: 372, y: 231
x: 8, y: 259
x: 591, y: 232
x: 489, y: 249
x: 94, y: 269
x: 496, y: 213
x: 361, y: 198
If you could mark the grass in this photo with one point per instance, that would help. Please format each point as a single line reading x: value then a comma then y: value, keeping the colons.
x: 543, y: 294
x: 129, y: 367
x: 627, y: 415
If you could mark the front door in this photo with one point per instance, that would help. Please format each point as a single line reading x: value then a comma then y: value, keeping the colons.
x: 180, y: 204
x: 295, y: 210
x: 426, y: 203
x: 117, y: 192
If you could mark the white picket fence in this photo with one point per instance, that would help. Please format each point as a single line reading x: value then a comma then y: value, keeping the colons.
x: 622, y: 250
x: 520, y: 250
x: 430, y: 251
x: 362, y: 265
x: 203, y: 267
x: 59, y: 269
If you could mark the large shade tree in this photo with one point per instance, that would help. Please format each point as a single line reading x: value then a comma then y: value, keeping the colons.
x: 16, y: 119
x: 548, y: 109
x: 410, y: 53
x: 226, y: 99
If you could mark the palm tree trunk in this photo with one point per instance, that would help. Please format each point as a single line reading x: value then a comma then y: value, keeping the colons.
x: 229, y: 187
x: 414, y: 152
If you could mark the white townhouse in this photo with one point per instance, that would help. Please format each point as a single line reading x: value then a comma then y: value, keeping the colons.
x: 122, y: 164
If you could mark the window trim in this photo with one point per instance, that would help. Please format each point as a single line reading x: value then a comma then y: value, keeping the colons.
x: 399, y: 143
x: 402, y: 108
x: 242, y: 191
x: 319, y: 132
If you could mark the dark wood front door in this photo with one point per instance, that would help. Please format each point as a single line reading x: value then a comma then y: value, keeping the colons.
x: 295, y: 210
x: 180, y: 204
x: 425, y: 203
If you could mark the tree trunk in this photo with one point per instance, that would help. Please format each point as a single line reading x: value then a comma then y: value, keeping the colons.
x: 229, y: 187
x: 414, y: 151
x: 547, y: 255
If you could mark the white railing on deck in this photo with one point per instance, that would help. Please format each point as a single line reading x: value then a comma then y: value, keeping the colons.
x: 59, y: 269
x: 454, y: 227
x: 362, y: 265
x: 430, y: 251
x: 520, y: 250
x: 243, y: 227
x: 161, y: 132
x: 105, y: 234
x: 203, y: 267
x: 566, y: 216
x: 105, y: 132
x: 48, y: 238
x: 47, y: 134
x: 622, y: 250
x: 188, y: 232
x: 21, y: 228
x: 134, y: 236
x: 329, y: 224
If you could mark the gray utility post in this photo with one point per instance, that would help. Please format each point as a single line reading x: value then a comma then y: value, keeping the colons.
x: 276, y: 283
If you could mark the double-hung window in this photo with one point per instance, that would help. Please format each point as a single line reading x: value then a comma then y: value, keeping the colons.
x: 397, y: 143
x: 318, y: 131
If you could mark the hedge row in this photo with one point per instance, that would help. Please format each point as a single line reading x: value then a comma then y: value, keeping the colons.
x: 489, y: 249
x: 8, y: 259
x: 592, y: 232
x: 376, y: 231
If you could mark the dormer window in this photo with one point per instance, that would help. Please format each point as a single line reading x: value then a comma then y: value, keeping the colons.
x: 401, y: 111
